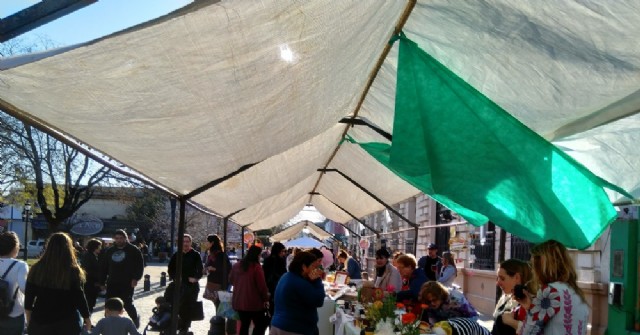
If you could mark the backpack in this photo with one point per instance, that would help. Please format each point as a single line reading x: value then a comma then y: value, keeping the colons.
x: 6, y: 301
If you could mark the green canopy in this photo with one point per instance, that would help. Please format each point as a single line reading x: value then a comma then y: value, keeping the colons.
x: 453, y: 143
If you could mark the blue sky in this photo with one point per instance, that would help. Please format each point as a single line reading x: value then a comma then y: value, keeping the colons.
x: 96, y: 20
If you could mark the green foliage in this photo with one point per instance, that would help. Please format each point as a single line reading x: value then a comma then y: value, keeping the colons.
x: 381, y: 310
x: 148, y: 210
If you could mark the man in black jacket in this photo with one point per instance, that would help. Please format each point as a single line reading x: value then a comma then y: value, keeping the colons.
x: 191, y: 273
x: 431, y: 263
x: 122, y: 267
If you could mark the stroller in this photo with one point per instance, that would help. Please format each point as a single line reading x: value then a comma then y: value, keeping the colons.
x: 160, y: 321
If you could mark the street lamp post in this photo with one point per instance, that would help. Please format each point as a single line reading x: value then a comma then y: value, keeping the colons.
x: 26, y: 215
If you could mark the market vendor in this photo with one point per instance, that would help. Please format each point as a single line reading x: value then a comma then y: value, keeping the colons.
x: 351, y: 265
x: 387, y: 276
x: 406, y: 265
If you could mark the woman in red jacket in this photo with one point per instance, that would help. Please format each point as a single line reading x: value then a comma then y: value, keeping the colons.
x: 250, y: 293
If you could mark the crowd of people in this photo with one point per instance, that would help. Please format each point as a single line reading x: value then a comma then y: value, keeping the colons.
x: 58, y: 293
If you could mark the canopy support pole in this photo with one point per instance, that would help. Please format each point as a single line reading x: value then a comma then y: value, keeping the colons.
x: 178, y: 269
x: 632, y: 202
x: 37, y: 15
x: 391, y: 209
x: 372, y: 77
x: 218, y: 181
x: 415, y: 242
x: 242, y: 239
x: 351, y: 215
x: 361, y: 122
x: 225, y: 224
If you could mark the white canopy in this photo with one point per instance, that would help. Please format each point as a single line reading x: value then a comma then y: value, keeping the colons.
x: 294, y: 230
x: 303, y: 242
x: 219, y: 85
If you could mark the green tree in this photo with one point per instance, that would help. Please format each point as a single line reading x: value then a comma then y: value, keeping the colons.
x: 151, y: 210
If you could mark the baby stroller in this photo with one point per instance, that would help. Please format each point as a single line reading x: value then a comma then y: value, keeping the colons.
x: 160, y: 321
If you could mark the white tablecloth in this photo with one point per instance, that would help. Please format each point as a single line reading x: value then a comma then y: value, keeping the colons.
x: 351, y: 329
x: 324, y: 313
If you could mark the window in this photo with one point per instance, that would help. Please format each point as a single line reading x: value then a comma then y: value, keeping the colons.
x: 483, y: 248
x: 520, y: 248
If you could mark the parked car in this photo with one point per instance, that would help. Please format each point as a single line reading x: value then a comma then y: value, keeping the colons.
x: 35, y: 247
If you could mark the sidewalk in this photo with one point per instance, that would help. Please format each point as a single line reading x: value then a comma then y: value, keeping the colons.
x: 145, y: 302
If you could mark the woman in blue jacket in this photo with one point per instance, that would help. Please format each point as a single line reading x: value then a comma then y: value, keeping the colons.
x: 298, y: 295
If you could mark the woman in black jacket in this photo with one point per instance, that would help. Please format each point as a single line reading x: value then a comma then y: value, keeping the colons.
x: 54, y: 293
x: 274, y: 267
x: 191, y: 272
x: 218, y: 268
x: 89, y: 262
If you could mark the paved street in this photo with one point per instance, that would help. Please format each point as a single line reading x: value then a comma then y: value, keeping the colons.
x: 145, y: 302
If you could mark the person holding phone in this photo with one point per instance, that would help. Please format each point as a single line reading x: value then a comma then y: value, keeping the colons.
x: 298, y: 295
x: 512, y: 274
x: 431, y: 263
x: 558, y: 306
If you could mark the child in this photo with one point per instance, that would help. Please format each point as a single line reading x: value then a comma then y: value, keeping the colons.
x: 113, y: 323
x: 161, y: 318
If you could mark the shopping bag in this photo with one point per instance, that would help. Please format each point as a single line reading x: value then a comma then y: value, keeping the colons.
x: 225, y: 296
x: 197, y: 311
x: 225, y: 309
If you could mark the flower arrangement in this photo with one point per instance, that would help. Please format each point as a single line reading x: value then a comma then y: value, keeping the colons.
x: 409, y: 323
x: 381, y: 310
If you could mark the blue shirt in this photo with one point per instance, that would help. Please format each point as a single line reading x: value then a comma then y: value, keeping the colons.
x: 353, y: 269
x: 296, y: 304
x: 418, y: 277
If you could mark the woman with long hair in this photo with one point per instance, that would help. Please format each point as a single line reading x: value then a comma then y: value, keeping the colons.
x: 299, y: 294
x: 54, y: 294
x: 559, y: 305
x: 91, y: 267
x: 15, y: 273
x: 274, y: 267
x: 508, y: 315
x: 449, y: 272
x: 218, y: 268
x: 251, y: 295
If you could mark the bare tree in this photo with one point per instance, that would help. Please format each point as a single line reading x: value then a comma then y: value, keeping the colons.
x: 61, y: 178
x: 39, y: 163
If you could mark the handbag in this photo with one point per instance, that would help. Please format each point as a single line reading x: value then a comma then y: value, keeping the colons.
x: 211, y: 291
x: 197, y: 311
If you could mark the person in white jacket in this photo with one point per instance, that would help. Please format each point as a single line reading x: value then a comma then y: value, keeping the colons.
x: 387, y: 276
x: 15, y: 273
x: 449, y: 272
x: 559, y: 305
